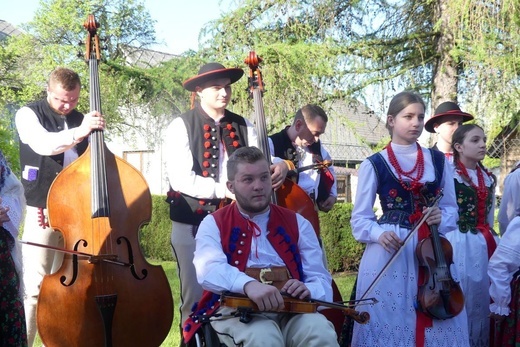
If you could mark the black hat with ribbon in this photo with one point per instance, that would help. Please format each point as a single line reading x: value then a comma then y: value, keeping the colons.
x: 212, y: 71
x: 445, y: 109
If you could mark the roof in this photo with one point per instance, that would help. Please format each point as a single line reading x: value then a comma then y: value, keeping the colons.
x: 144, y: 58
x: 7, y: 29
x: 351, y: 131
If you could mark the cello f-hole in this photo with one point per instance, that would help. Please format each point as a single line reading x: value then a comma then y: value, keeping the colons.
x: 144, y: 272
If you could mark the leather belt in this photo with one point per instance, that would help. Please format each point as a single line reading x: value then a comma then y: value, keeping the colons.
x: 276, y: 275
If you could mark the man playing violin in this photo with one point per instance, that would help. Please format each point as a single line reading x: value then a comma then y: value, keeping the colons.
x: 257, y: 249
x: 300, y: 144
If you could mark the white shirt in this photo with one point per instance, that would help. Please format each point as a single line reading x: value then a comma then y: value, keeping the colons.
x: 216, y: 275
x: 364, y: 222
x: 13, y: 197
x: 179, y: 163
x: 42, y: 141
x: 503, y: 264
x: 510, y: 203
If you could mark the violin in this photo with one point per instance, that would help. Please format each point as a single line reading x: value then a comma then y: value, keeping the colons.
x: 439, y: 296
x: 245, y: 306
x: 105, y: 293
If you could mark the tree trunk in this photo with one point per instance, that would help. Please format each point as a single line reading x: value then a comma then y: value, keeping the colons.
x: 445, y: 69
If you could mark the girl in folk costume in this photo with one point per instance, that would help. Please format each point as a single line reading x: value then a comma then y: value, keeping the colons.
x: 12, y: 206
x: 505, y: 287
x: 406, y: 177
x: 474, y: 242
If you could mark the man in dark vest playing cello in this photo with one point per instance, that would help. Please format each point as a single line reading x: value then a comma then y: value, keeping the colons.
x: 261, y: 250
x: 52, y: 135
x: 200, y: 142
x: 300, y: 144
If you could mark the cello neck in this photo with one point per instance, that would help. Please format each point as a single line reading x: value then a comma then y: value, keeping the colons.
x: 256, y: 88
x: 99, y: 197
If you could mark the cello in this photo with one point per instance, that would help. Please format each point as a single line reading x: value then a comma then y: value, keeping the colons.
x: 290, y: 195
x: 105, y: 292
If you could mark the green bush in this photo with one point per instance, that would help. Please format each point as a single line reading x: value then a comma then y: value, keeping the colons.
x: 343, y: 251
x: 155, y: 237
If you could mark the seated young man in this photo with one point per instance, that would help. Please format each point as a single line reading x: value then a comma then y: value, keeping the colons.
x: 232, y: 246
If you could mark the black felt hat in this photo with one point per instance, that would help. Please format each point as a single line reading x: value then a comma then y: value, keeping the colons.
x: 447, y: 108
x: 212, y: 71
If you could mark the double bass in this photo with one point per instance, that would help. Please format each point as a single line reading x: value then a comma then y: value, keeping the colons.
x: 105, y: 293
x: 290, y: 195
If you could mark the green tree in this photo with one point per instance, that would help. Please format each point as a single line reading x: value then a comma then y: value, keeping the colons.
x: 331, y: 49
x: 51, y: 39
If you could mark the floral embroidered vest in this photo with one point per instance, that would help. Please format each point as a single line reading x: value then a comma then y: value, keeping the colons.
x: 469, y: 215
x: 399, y: 204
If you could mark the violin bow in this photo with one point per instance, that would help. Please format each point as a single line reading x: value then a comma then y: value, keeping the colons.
x: 408, y: 237
x: 107, y: 258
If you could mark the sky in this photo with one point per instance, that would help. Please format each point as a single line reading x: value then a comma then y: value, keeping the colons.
x: 177, y: 25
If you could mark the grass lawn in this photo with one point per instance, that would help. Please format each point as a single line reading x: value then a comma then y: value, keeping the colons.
x: 343, y: 281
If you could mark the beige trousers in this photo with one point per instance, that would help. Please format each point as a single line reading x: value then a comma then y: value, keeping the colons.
x: 183, y: 246
x: 37, y: 262
x: 275, y: 329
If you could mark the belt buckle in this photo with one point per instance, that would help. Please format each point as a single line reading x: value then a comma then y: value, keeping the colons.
x: 262, y: 275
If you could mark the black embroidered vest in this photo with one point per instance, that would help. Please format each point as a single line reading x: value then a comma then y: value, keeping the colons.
x: 49, y: 167
x: 205, y: 138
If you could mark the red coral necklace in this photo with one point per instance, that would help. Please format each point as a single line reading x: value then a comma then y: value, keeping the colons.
x: 419, y: 167
x: 481, y: 189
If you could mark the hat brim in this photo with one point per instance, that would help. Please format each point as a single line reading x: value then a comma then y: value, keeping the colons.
x: 438, y: 119
x: 234, y: 74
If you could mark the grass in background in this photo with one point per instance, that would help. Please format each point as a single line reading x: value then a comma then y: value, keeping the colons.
x: 343, y: 281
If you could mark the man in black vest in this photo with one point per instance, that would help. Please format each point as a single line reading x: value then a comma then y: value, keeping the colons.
x: 300, y: 144
x: 52, y: 135
x: 200, y: 142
